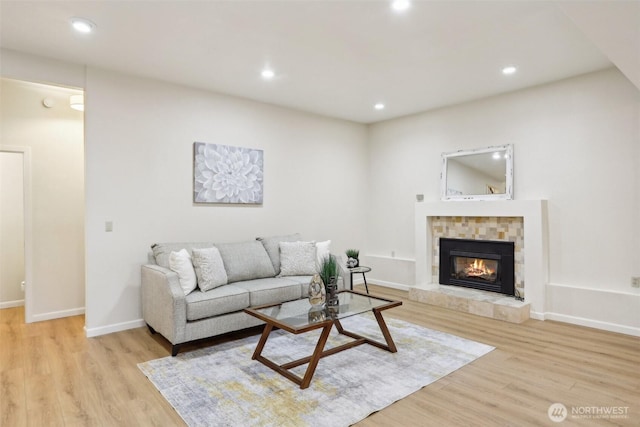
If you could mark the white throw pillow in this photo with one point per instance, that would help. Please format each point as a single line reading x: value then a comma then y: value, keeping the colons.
x: 297, y: 258
x: 209, y: 268
x: 180, y: 262
x: 323, y: 250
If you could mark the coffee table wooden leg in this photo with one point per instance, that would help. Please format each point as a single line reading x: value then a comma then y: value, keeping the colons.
x: 263, y: 340
x: 389, y: 346
x: 385, y: 331
x: 315, y: 358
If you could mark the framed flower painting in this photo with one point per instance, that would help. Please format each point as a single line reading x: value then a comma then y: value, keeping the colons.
x: 227, y: 174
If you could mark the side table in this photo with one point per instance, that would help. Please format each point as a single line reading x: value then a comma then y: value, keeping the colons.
x: 360, y: 269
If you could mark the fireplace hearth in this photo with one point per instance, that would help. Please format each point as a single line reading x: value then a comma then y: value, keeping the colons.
x: 479, y: 264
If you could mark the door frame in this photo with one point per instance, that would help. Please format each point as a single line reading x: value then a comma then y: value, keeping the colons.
x: 28, y: 226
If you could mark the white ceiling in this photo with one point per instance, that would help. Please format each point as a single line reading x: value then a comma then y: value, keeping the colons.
x: 337, y: 58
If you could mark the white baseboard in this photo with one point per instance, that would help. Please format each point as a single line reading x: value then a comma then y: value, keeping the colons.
x: 537, y: 315
x: 596, y: 324
x: 57, y: 314
x: 590, y: 323
x: 606, y: 309
x: 392, y: 258
x: 11, y: 304
x: 384, y: 283
x: 392, y: 272
x: 559, y: 317
x: 116, y: 327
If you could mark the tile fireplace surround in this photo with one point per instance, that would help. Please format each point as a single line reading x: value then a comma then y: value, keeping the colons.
x: 521, y: 221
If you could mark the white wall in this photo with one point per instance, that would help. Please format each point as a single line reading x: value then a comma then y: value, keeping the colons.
x: 23, y: 66
x: 139, y: 172
x: 55, y: 138
x: 576, y: 143
x: 11, y: 229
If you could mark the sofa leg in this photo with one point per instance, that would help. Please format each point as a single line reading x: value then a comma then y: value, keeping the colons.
x: 175, y: 349
x: 153, y: 331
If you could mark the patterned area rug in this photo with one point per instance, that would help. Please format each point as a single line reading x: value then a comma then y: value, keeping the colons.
x: 222, y: 386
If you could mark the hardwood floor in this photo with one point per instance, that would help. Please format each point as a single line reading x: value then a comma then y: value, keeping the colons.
x: 51, y: 375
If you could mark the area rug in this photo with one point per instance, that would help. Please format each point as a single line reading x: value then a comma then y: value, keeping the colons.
x: 222, y: 386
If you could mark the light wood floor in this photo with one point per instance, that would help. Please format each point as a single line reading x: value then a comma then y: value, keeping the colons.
x: 50, y: 374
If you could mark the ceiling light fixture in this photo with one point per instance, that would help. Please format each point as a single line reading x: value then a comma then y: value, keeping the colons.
x: 82, y: 25
x: 77, y: 102
x: 268, y: 74
x: 379, y: 106
x: 400, y: 5
x: 510, y: 69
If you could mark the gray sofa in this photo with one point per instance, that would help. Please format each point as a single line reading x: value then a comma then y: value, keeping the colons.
x: 253, y: 273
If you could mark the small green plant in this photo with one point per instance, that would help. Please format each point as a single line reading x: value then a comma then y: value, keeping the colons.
x: 329, y: 269
x: 352, y: 253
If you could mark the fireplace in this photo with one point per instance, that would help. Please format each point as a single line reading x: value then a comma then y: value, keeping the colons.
x: 479, y: 264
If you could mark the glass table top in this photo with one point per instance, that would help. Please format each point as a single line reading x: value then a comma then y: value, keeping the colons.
x: 299, y: 314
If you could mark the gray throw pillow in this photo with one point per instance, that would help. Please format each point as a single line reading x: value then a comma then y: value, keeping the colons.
x: 297, y: 258
x: 272, y: 246
x: 209, y: 268
x: 245, y: 261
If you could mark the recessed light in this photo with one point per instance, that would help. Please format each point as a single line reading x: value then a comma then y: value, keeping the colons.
x: 379, y: 106
x: 267, y: 73
x: 82, y: 25
x: 510, y: 69
x: 496, y: 156
x: 400, y: 5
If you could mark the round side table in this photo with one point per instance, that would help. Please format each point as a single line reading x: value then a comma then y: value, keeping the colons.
x: 360, y: 270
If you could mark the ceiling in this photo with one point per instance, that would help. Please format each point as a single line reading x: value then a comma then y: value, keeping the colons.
x: 337, y: 58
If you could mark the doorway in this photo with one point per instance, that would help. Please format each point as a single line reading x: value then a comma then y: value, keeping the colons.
x: 11, y: 229
x: 15, y: 257
x: 40, y: 126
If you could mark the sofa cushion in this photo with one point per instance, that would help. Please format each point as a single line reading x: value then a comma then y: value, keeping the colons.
x: 272, y: 246
x: 271, y: 291
x: 209, y: 268
x: 303, y: 282
x: 297, y: 258
x: 221, y: 300
x: 162, y: 251
x: 180, y: 262
x: 245, y: 261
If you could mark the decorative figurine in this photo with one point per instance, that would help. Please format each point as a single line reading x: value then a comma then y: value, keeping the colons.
x: 317, y: 293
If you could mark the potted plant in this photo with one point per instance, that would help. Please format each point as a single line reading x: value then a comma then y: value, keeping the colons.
x: 352, y: 257
x: 329, y: 275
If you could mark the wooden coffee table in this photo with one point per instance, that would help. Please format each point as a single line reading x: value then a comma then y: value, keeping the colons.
x: 298, y: 317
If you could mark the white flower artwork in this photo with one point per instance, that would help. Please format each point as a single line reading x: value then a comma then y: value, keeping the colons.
x: 226, y: 174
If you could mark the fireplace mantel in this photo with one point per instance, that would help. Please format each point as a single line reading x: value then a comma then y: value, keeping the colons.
x: 534, y: 214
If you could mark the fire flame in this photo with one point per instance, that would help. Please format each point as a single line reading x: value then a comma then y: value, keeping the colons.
x: 478, y: 268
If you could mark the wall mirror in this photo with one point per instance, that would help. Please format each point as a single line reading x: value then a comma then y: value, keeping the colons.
x: 480, y: 174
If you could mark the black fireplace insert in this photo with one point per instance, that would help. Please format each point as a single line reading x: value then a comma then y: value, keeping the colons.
x: 487, y: 265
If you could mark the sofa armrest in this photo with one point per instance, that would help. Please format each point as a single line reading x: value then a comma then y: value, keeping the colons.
x: 164, y: 305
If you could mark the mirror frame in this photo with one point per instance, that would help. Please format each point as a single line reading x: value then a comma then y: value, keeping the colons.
x: 507, y: 195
